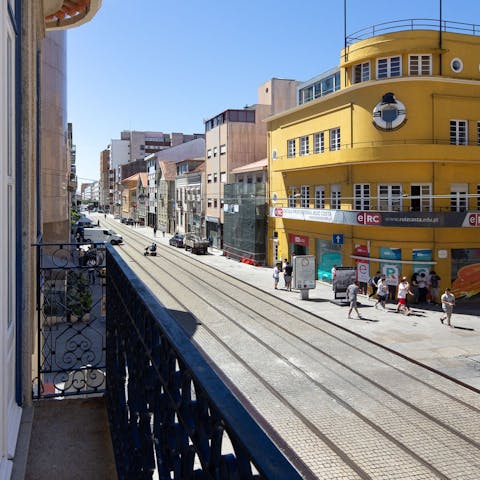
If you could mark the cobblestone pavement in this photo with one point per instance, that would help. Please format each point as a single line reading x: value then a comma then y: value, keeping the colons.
x: 421, y: 336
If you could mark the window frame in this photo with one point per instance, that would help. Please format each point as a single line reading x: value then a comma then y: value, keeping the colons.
x: 361, y: 72
x: 361, y: 196
x: 392, y: 201
x: 455, y: 139
x: 291, y: 148
x: 334, y: 139
x: 459, y: 197
x: 304, y: 144
x: 388, y: 67
x: 335, y: 196
x: 319, y: 142
x: 319, y: 199
x: 291, y: 197
x: 305, y: 196
x: 420, y: 65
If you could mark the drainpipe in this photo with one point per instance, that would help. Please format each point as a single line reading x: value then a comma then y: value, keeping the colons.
x: 440, y: 38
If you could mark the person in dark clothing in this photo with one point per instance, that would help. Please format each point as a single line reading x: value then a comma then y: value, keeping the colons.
x: 374, y: 284
x: 287, y: 275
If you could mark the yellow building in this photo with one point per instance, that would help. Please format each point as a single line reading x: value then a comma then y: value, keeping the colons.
x: 378, y: 164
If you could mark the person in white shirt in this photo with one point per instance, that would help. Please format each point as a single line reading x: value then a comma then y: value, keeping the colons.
x: 382, y: 292
x: 448, y: 302
x: 403, y: 291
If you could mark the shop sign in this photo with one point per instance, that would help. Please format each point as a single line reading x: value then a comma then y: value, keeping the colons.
x: 301, y: 240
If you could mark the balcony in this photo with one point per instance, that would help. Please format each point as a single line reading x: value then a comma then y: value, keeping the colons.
x: 137, y: 396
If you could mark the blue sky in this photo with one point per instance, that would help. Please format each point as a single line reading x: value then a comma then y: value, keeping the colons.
x: 168, y: 65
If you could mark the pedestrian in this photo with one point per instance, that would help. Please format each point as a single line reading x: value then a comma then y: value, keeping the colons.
x: 287, y: 275
x: 155, y: 231
x: 434, y: 286
x: 422, y: 288
x: 448, y: 302
x: 105, y: 216
x: 403, y: 291
x: 373, y: 282
x: 352, y: 292
x: 276, y: 274
x: 334, y: 275
x: 382, y: 292
x: 414, y: 286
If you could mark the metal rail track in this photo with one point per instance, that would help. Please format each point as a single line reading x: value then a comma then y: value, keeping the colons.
x: 172, y: 272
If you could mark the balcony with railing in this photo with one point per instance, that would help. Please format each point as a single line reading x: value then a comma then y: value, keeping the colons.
x: 109, y: 349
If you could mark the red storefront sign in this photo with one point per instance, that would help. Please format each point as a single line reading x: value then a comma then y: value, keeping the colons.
x: 298, y: 239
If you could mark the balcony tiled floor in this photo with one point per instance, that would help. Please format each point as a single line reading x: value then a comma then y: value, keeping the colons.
x: 70, y: 439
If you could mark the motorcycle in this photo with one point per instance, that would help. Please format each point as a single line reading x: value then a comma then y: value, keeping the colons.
x: 150, y: 250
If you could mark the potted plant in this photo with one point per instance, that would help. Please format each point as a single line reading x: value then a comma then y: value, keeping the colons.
x: 79, y: 297
x: 53, y: 309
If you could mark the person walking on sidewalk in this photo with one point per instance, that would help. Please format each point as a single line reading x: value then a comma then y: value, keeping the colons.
x: 287, y: 275
x: 403, y: 291
x: 276, y: 275
x: 448, y: 302
x: 382, y: 292
x: 373, y: 282
x: 352, y: 292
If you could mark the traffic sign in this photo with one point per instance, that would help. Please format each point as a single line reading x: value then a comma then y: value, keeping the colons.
x: 337, y: 238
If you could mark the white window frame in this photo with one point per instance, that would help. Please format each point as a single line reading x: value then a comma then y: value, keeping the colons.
x: 209, y: 153
x: 361, y: 194
x: 223, y: 149
x: 291, y: 148
x: 305, y: 196
x: 361, y: 72
x: 215, y: 151
x: 292, y: 200
x: 478, y: 133
x: 304, y: 145
x: 389, y: 69
x: 319, y: 142
x: 390, y: 197
x: 420, y: 65
x: 425, y: 196
x: 320, y: 196
x: 335, y: 139
x: 458, y: 197
x: 458, y: 132
x: 223, y: 177
x: 335, y: 197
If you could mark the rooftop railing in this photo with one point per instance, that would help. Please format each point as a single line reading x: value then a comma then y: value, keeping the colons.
x: 412, y: 24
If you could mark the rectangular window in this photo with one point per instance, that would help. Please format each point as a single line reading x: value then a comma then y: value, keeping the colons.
x: 223, y: 177
x: 291, y: 150
x: 292, y: 193
x: 319, y: 142
x: 209, y: 153
x: 335, y: 197
x: 215, y: 177
x: 215, y: 151
x: 458, y: 197
x: 305, y: 196
x: 223, y: 149
x: 209, y: 178
x: 209, y: 203
x: 304, y: 145
x: 389, y: 67
x: 421, y: 198
x: 319, y: 196
x: 361, y: 72
x: 335, y: 139
x: 458, y: 132
x: 362, y: 196
x: 390, y: 198
x: 419, y: 65
x: 215, y: 203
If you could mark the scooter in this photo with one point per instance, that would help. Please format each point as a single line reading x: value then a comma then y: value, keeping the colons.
x: 150, y: 250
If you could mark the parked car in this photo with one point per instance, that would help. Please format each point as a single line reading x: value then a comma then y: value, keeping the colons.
x: 177, y: 240
x: 130, y: 221
x: 196, y: 244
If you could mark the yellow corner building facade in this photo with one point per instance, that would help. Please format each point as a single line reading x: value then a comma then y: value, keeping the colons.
x: 378, y: 164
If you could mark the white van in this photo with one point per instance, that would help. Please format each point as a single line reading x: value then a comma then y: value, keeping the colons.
x: 101, y: 235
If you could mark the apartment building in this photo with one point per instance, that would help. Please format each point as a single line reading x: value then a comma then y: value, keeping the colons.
x: 236, y: 137
x: 383, y: 171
